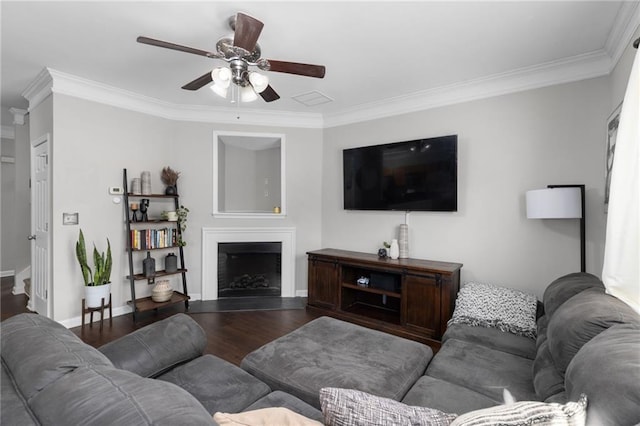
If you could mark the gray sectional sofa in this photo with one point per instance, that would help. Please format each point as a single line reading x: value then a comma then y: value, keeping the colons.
x: 588, y: 343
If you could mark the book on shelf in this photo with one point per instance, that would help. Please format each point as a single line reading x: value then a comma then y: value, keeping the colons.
x: 146, y: 239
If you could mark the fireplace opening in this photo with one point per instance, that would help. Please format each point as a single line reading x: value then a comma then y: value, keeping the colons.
x: 249, y: 269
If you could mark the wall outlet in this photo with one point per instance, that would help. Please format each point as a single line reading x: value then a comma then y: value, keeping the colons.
x: 115, y: 190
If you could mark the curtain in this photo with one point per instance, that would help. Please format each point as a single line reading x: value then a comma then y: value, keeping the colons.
x: 621, y: 271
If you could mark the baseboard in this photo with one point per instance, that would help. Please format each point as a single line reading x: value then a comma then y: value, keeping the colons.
x: 77, y: 321
x: 7, y: 273
x: 302, y: 293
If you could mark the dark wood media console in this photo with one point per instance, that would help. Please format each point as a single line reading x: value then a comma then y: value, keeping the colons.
x: 411, y: 298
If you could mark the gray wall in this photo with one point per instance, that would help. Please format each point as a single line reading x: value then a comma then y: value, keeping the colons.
x: 94, y: 142
x: 506, y: 146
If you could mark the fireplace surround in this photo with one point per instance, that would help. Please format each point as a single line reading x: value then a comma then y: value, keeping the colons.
x: 213, y: 237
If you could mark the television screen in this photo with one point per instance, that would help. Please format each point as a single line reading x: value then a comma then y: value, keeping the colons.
x: 418, y: 175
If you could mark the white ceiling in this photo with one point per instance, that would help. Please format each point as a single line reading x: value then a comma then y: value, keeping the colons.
x: 376, y: 53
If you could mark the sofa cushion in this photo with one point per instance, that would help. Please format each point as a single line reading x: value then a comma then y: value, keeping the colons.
x: 158, y: 347
x: 527, y: 413
x: 14, y: 408
x: 543, y: 324
x: 108, y: 396
x: 492, y: 338
x: 38, y: 351
x: 446, y: 396
x: 217, y: 384
x: 282, y: 399
x: 547, y: 380
x: 484, y: 370
x: 607, y: 370
x: 565, y: 287
x: 328, y: 352
x: 349, y: 407
x: 581, y: 318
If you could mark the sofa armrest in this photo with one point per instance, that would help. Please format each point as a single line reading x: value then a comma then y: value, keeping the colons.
x: 159, y: 347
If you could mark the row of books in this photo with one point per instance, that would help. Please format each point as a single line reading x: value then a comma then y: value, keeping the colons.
x: 144, y: 239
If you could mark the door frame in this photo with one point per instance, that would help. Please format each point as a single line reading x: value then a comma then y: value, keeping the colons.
x: 44, y: 139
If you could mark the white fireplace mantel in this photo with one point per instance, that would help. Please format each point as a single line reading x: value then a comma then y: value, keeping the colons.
x: 211, y: 237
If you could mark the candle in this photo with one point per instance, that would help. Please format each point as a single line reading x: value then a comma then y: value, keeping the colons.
x: 134, y: 206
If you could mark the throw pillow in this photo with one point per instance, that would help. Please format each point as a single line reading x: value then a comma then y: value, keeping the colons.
x: 486, y: 305
x: 527, y: 413
x: 348, y: 407
x: 264, y: 417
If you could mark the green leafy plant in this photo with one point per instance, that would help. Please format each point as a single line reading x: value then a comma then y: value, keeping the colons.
x: 182, y: 213
x: 102, y: 263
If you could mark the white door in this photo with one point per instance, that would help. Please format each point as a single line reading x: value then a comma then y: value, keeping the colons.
x: 40, y: 264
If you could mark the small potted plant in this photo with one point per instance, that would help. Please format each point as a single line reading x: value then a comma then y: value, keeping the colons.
x: 170, y: 178
x: 97, y: 283
x: 182, y: 213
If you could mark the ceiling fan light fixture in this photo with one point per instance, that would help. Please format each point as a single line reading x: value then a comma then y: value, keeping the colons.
x: 221, y: 76
x: 258, y: 81
x: 219, y: 90
x: 247, y: 94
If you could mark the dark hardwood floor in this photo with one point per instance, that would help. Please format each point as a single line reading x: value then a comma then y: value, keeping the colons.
x: 231, y: 335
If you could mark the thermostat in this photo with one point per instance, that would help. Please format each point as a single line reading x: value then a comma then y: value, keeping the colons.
x: 115, y: 190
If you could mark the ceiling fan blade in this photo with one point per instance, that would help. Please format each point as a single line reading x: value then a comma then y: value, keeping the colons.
x: 173, y: 46
x: 296, y: 68
x: 199, y: 82
x: 269, y: 95
x: 247, y: 31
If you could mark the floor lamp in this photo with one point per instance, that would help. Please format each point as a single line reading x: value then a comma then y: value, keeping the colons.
x: 560, y: 202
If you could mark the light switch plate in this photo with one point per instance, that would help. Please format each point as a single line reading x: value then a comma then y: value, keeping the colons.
x: 70, y: 219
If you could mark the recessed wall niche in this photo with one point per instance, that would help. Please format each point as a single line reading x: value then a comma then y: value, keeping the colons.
x: 248, y: 174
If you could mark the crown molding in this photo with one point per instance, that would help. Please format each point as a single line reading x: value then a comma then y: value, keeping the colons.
x: 78, y: 87
x: 581, y: 67
x: 39, y: 89
x: 626, y: 24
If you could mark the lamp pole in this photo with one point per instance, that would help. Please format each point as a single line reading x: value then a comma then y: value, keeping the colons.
x: 583, y: 263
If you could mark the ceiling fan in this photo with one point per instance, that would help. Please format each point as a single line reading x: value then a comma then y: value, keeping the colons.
x: 240, y: 50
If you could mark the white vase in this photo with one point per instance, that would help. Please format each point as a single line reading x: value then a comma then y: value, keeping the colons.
x: 394, y: 250
x: 93, y: 295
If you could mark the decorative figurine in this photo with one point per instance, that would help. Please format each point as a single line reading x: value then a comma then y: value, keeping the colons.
x: 144, y: 206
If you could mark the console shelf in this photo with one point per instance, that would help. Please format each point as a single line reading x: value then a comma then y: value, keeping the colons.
x: 411, y: 298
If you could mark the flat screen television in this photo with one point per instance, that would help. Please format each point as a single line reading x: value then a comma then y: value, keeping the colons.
x: 418, y: 175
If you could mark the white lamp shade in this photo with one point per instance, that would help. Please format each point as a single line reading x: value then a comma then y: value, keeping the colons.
x: 247, y: 94
x: 219, y: 90
x: 554, y: 203
x: 221, y: 76
x: 258, y: 81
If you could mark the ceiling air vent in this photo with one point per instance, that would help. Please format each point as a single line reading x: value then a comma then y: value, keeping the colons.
x: 312, y: 98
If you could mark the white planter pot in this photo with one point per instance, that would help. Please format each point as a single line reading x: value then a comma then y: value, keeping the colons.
x: 93, y: 295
